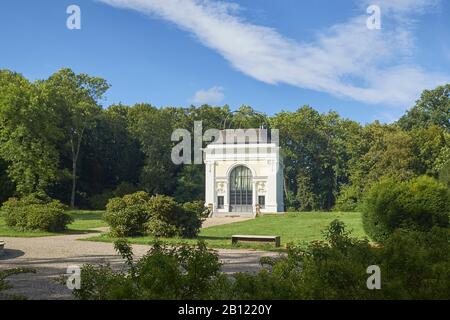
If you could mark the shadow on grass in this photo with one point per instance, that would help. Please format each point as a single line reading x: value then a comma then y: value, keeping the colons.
x: 210, y: 238
x: 41, y: 234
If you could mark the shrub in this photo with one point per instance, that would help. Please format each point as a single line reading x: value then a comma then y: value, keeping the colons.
x: 414, y: 265
x: 182, y: 272
x: 165, y: 213
x: 160, y: 216
x: 348, y: 199
x: 444, y: 174
x: 197, y: 207
x: 330, y: 269
x: 99, y: 201
x: 127, y: 216
x: 36, y: 213
x: 168, y: 218
x: 418, y: 204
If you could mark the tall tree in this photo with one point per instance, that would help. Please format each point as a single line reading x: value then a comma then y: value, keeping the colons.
x: 110, y: 153
x: 75, y: 98
x: 310, y: 179
x: 153, y: 128
x: 28, y: 133
x: 433, y: 108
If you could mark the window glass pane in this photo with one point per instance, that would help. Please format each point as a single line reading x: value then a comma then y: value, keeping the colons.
x: 241, y: 188
x: 262, y: 201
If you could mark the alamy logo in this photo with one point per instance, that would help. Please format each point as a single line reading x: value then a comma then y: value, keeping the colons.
x: 374, y: 281
x: 74, y: 20
x: 374, y: 21
x: 74, y: 279
x: 246, y: 138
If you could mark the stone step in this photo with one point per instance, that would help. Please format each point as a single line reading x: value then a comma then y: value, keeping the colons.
x: 234, y: 215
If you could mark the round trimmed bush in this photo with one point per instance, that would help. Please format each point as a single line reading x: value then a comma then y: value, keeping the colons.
x: 160, y: 216
x: 419, y: 204
x: 127, y: 216
x: 165, y: 213
x: 36, y: 213
x: 169, y: 219
x: 197, y: 207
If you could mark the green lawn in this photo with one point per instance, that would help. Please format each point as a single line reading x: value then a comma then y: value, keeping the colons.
x: 83, y: 222
x: 292, y: 227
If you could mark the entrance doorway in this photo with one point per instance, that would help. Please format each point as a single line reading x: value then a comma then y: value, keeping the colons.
x: 241, y: 190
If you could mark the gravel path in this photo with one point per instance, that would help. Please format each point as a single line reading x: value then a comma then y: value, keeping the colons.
x: 217, y: 221
x: 51, y: 256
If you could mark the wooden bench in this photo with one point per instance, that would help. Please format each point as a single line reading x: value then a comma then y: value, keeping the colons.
x: 236, y: 238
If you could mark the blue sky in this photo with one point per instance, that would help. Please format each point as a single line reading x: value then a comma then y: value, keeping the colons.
x: 272, y: 55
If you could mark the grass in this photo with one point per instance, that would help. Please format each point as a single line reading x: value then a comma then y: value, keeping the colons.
x: 297, y: 228
x: 84, y: 221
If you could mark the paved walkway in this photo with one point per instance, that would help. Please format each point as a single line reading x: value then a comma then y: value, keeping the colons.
x: 51, y: 256
x: 217, y: 221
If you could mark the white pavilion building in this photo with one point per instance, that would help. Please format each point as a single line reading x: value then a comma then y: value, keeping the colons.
x: 243, y: 169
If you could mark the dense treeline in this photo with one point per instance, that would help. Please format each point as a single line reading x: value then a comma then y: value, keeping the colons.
x: 57, y: 138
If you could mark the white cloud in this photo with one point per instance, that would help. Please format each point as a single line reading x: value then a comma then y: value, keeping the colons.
x: 213, y: 95
x: 346, y: 60
x: 404, y: 6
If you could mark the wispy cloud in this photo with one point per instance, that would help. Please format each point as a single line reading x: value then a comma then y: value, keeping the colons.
x: 346, y: 60
x: 404, y: 6
x: 213, y: 95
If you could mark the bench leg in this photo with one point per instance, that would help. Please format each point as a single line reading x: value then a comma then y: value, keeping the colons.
x: 277, y: 242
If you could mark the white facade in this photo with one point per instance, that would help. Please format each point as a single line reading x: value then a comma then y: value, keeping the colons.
x: 241, y: 175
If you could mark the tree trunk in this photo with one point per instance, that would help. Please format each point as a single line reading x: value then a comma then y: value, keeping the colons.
x: 75, y: 153
x: 285, y: 187
x: 74, y: 184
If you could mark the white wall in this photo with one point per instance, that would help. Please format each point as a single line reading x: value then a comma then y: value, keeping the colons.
x: 265, y: 164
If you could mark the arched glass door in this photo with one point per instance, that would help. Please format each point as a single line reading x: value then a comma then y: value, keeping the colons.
x: 241, y: 190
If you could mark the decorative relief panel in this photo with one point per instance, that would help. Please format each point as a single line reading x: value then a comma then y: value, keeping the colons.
x: 221, y: 188
x: 261, y: 187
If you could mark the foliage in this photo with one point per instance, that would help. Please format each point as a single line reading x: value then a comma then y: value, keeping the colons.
x: 74, y: 97
x: 433, y: 108
x: 27, y: 134
x: 153, y: 128
x: 419, y: 204
x: 99, y: 201
x: 160, y: 216
x: 309, y: 157
x: 127, y: 215
x: 169, y: 219
x: 196, y: 207
x: 56, y: 138
x: 190, y: 183
x: 416, y: 264
x: 183, y: 272
x: 444, y: 174
x: 4, y: 285
x: 413, y: 264
x: 6, y: 185
x: 111, y: 159
x: 348, y: 199
x: 35, y: 213
x: 431, y: 148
